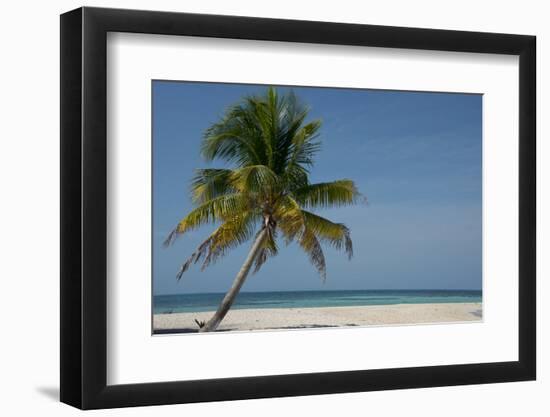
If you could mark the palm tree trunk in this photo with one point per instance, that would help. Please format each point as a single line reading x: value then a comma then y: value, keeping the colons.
x: 212, y: 324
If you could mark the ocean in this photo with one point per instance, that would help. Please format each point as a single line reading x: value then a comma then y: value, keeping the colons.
x: 189, y: 303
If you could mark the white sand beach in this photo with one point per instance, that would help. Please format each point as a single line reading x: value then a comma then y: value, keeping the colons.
x: 299, y: 318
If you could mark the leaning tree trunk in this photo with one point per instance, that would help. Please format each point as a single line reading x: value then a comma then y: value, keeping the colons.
x: 230, y: 296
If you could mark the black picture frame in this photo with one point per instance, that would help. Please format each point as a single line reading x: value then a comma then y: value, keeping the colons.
x: 84, y: 207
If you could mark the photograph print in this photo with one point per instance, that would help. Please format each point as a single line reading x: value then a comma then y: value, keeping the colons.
x: 279, y: 208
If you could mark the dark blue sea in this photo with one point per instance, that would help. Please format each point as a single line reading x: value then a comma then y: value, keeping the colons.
x: 183, y: 303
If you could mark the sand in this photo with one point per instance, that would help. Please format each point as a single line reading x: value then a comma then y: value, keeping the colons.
x: 300, y: 318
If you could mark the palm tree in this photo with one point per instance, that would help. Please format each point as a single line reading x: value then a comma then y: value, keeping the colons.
x: 271, y: 148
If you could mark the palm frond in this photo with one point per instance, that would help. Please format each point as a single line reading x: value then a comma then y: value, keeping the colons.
x: 217, y: 209
x: 327, y: 194
x: 310, y: 244
x: 261, y: 114
x: 300, y: 155
x: 268, y: 250
x: 234, y: 139
x: 308, y: 229
x: 337, y: 234
x: 305, y: 144
x: 230, y: 234
x: 254, y: 179
x: 289, y: 217
x: 194, y: 258
x: 211, y: 183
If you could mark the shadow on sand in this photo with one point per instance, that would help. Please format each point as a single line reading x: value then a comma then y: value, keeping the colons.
x: 477, y: 313
x: 189, y: 330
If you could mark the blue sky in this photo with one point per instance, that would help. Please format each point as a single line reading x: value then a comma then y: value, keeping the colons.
x: 416, y: 156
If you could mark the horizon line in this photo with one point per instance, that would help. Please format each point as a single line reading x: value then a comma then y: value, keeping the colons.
x: 369, y: 289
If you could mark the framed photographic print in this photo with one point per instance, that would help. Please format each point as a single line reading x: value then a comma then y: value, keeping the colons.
x: 257, y: 208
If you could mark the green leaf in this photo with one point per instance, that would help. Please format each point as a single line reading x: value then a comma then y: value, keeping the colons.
x: 327, y: 194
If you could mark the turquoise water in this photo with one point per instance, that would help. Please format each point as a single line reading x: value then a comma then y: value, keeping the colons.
x: 188, y: 303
